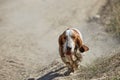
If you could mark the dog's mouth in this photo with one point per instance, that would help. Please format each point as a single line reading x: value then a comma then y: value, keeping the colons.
x: 68, y: 52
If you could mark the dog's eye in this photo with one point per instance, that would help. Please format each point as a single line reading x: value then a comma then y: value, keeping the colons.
x: 73, y: 37
x: 65, y: 37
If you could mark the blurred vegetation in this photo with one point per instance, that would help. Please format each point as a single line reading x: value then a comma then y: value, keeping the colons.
x: 106, y: 68
x: 111, y: 17
x: 114, y: 25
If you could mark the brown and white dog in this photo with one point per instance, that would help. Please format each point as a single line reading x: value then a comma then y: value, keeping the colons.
x: 70, y: 42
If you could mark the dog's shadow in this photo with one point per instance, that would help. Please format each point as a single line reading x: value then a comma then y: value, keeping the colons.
x: 51, y: 75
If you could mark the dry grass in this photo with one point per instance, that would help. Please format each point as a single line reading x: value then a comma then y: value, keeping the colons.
x: 103, y: 69
x: 110, y: 16
x: 114, y: 26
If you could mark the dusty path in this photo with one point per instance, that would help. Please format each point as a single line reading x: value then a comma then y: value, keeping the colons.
x: 29, y: 30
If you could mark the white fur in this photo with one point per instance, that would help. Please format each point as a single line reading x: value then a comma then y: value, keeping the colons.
x: 69, y: 41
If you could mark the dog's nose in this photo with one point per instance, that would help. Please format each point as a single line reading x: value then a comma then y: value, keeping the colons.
x: 68, y: 48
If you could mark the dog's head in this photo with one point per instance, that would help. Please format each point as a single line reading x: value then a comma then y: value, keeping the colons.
x: 70, y: 39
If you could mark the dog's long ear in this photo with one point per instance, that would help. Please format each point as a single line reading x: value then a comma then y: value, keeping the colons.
x: 60, y: 41
x: 83, y: 48
x: 79, y: 42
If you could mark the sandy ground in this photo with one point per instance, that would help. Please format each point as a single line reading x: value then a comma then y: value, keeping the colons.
x: 29, y: 31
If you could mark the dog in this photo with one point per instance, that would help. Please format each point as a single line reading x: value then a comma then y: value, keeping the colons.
x: 70, y: 47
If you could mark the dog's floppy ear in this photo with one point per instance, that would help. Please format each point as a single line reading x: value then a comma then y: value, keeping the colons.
x: 60, y: 40
x: 79, y: 41
x: 83, y: 48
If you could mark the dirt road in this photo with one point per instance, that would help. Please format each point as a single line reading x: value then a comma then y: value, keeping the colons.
x: 29, y: 30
